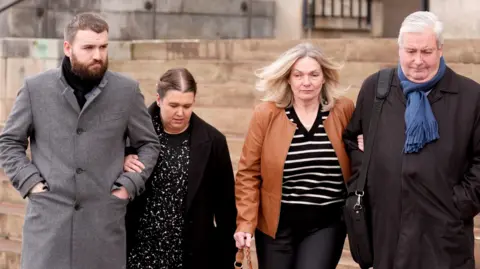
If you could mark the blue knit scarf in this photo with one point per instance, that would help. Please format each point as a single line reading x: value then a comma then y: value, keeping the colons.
x: 421, y: 125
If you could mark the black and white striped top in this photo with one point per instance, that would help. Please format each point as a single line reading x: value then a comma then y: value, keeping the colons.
x: 312, y: 174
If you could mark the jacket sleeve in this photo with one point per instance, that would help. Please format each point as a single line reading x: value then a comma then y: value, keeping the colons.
x: 224, y: 206
x: 348, y: 111
x: 354, y: 128
x: 467, y: 193
x: 14, y: 142
x: 247, y: 183
x: 143, y: 139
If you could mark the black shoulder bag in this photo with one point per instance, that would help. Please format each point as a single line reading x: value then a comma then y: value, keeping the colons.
x: 357, y: 219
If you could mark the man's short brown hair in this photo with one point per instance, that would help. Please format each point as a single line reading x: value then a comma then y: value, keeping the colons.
x: 84, y: 21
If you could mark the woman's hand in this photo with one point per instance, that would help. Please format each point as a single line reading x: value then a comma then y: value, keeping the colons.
x: 360, y: 142
x: 242, y: 239
x: 132, y: 164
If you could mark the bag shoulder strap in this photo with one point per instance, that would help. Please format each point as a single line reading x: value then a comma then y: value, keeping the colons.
x: 383, y: 89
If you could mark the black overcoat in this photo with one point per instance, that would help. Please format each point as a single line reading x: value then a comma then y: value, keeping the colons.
x: 422, y: 205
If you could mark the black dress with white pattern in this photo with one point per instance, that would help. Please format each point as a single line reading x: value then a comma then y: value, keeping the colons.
x: 160, y: 232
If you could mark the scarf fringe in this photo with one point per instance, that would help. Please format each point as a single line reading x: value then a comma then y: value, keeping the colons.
x: 421, y: 134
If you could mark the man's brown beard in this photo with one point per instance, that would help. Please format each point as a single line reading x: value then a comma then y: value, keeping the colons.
x: 85, y: 73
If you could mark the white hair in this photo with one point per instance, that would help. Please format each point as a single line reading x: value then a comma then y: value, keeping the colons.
x: 418, y: 22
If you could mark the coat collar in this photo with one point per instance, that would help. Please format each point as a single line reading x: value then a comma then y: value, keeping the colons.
x: 67, y: 91
x: 445, y: 85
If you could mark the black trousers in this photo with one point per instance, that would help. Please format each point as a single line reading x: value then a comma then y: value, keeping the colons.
x: 297, y: 248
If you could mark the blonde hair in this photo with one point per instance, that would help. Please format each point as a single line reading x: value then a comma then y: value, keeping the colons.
x: 273, y: 79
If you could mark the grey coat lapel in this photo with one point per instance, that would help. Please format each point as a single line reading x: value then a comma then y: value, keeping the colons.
x: 71, y: 99
x: 95, y: 93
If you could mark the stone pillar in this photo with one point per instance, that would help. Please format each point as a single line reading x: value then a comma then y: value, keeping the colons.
x: 460, y: 19
x: 288, y: 19
x: 377, y: 18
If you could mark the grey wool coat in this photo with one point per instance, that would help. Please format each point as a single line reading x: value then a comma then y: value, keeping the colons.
x: 77, y: 223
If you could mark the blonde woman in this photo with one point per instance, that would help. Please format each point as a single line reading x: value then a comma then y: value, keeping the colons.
x: 290, y: 182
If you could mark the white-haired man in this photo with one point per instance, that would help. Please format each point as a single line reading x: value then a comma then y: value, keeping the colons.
x: 423, y: 183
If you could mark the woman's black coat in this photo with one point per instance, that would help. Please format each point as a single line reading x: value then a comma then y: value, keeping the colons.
x: 210, y: 205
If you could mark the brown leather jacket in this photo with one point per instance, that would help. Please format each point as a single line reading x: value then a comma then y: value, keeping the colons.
x: 258, y: 184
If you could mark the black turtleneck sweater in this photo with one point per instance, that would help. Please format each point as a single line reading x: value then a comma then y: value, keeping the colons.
x: 80, y: 86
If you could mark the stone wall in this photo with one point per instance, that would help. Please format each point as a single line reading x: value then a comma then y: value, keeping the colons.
x: 145, y: 19
x: 460, y: 17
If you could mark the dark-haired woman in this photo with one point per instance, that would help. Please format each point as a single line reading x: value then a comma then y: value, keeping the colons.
x: 186, y: 217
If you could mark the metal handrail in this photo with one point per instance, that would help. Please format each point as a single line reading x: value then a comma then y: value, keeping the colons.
x: 2, y: 9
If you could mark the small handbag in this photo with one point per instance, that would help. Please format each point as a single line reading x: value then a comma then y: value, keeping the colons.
x: 240, y: 257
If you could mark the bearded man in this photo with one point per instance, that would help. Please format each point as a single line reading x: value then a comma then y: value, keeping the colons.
x: 77, y: 119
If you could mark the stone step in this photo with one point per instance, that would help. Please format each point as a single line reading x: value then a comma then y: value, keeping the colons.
x: 222, y: 50
x: 228, y: 120
x: 346, y: 261
x: 9, y: 260
x: 221, y: 90
x: 10, y: 254
x: 228, y: 94
x: 235, y: 145
x: 249, y: 50
x: 11, y: 221
x: 204, y: 72
x: 346, y: 245
x: 7, y: 192
x: 12, y: 246
x: 228, y: 84
x: 346, y: 49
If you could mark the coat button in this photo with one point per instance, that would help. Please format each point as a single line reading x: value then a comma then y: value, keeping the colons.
x: 79, y: 170
x: 80, y: 131
x: 77, y: 207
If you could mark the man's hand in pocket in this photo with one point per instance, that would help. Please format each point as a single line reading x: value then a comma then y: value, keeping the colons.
x: 38, y: 188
